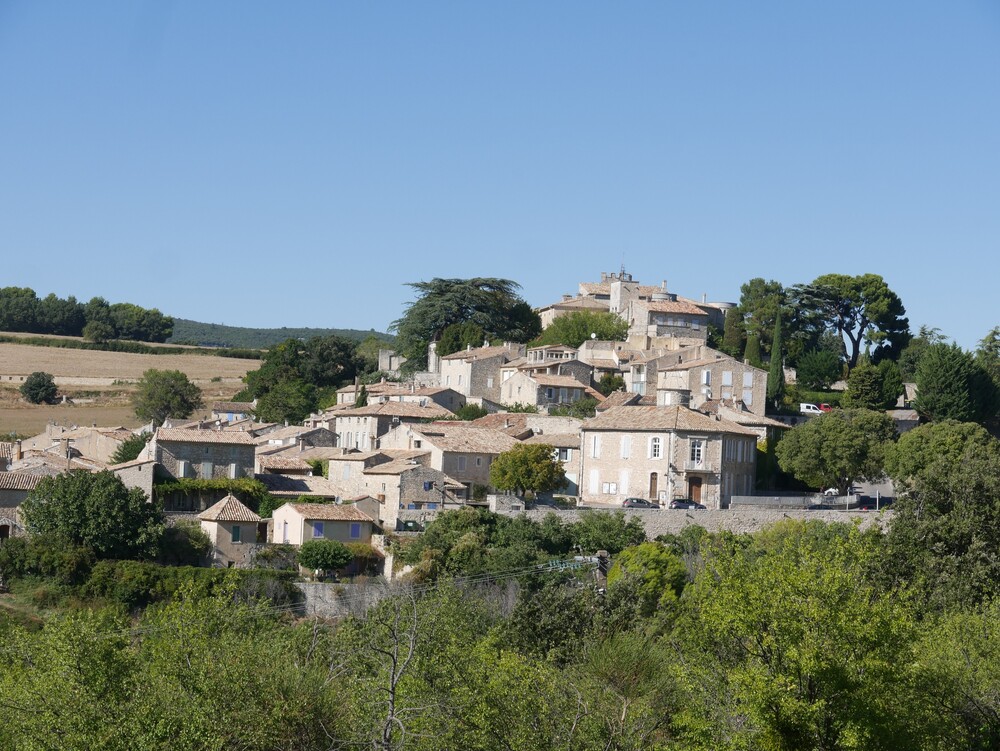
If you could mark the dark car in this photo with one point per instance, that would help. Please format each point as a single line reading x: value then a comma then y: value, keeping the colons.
x: 686, y: 504
x: 819, y: 507
x: 638, y: 503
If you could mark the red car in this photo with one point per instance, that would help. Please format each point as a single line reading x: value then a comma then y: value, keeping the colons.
x: 826, y: 407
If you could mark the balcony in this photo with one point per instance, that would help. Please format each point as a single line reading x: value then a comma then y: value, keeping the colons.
x: 702, y: 466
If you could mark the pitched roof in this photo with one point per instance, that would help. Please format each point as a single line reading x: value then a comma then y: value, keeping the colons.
x: 511, y: 423
x: 330, y: 512
x: 662, y: 419
x: 674, y: 306
x: 229, y: 509
x: 480, y: 353
x: 297, y: 485
x: 232, y: 406
x: 272, y: 462
x: 19, y: 480
x: 617, y: 399
x: 557, y: 440
x: 183, y: 435
x: 400, y: 409
x: 465, y: 438
x: 6, y: 450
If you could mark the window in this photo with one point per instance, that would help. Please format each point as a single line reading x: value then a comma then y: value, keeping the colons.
x: 489, y: 382
x: 447, y: 380
x: 461, y: 464
x: 748, y: 397
x: 182, y: 468
x: 610, y: 488
x: 594, y: 481
x: 563, y: 394
x: 576, y: 394
x: 549, y: 393
x: 626, y: 446
x: 416, y: 444
x: 355, y: 530
x: 727, y: 378
x: 459, y: 379
x: 706, y: 378
x: 479, y: 461
x: 236, y: 533
x: 317, y: 529
x: 233, y: 471
x: 697, y: 450
x: 748, y: 380
x: 655, y: 447
x: 207, y: 469
x: 284, y: 532
x: 595, y: 446
x: 565, y: 455
x: 346, y: 474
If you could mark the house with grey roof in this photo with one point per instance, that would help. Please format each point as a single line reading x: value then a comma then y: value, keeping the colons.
x: 361, y: 428
x: 663, y: 453
x: 202, y: 454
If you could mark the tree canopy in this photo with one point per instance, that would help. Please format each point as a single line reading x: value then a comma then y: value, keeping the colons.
x: 837, y: 448
x: 953, y: 385
x: 861, y: 308
x: 491, y: 304
x: 527, y: 466
x: 165, y: 393
x: 39, y: 388
x: 97, y: 511
x: 573, y: 329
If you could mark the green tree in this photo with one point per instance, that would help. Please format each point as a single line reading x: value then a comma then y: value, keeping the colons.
x: 95, y: 510
x: 818, y: 368
x: 324, y: 555
x: 910, y: 356
x: 951, y: 385
x: 776, y: 373
x: 598, y: 530
x: 573, y: 329
x: 291, y: 400
x: 837, y: 448
x: 492, y: 304
x: 760, y: 302
x: 165, y: 393
x: 528, y: 466
x: 469, y: 412
x: 661, y: 574
x: 459, y: 336
x: 581, y: 408
x: 130, y: 448
x: 39, y: 388
x: 864, y: 387
x: 361, y: 400
x: 610, y: 383
x: 860, y: 308
x: 752, y: 353
x: 734, y: 335
x: 932, y: 454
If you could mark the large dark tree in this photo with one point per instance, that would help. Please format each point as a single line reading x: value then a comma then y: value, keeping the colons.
x: 760, y: 302
x: 862, y: 309
x: 776, y: 372
x: 96, y: 511
x: 952, y: 385
x: 573, y: 329
x: 165, y: 393
x: 39, y: 388
x: 491, y: 304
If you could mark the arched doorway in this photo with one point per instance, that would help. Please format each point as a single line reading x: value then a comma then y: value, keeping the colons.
x: 694, y: 488
x: 653, y: 483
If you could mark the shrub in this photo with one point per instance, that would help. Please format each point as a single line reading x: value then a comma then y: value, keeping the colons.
x: 39, y: 388
x: 184, y: 544
x: 324, y: 555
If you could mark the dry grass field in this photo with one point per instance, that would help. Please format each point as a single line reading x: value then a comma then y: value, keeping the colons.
x: 99, y: 384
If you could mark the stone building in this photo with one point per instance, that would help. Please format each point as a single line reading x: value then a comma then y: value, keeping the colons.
x: 476, y: 372
x: 663, y: 453
x: 203, y: 454
x: 295, y: 523
x: 232, y: 528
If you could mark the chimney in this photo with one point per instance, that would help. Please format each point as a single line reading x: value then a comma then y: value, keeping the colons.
x: 302, y: 445
x: 18, y: 453
x: 704, y: 298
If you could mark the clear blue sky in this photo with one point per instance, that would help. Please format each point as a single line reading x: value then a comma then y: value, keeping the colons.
x: 295, y: 164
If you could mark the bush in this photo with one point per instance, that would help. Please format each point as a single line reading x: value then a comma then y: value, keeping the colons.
x: 324, y: 555
x: 59, y: 560
x: 39, y: 388
x: 184, y: 544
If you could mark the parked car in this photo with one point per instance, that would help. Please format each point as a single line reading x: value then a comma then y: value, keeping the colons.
x: 809, y: 409
x: 685, y: 504
x: 834, y: 492
x: 819, y: 507
x: 824, y: 407
x: 638, y: 503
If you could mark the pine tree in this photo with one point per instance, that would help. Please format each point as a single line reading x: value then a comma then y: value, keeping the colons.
x: 864, y: 386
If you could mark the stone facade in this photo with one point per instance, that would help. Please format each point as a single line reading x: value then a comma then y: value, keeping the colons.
x: 476, y: 372
x: 203, y: 454
x: 137, y: 474
x: 715, y: 376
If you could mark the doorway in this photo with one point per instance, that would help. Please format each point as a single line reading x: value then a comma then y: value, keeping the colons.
x: 653, y: 482
x: 694, y: 487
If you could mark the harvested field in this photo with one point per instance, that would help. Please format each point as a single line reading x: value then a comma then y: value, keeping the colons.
x: 94, y: 367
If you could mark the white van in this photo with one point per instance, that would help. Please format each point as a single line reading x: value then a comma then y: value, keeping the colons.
x: 809, y: 409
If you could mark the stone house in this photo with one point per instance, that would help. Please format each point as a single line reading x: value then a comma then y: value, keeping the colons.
x: 231, y: 412
x: 138, y: 473
x: 203, y: 454
x: 96, y: 444
x: 295, y: 523
x: 459, y: 450
x: 290, y: 435
x: 476, y: 372
x: 712, y: 375
x: 406, y: 485
x: 361, y: 428
x: 663, y: 453
x: 544, y: 391
x: 232, y: 528
x: 14, y: 488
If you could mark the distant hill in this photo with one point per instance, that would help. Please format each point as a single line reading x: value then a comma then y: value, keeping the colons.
x: 217, y: 335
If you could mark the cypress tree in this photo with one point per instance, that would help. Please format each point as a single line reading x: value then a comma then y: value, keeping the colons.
x: 776, y: 374
x: 734, y: 333
x: 752, y: 353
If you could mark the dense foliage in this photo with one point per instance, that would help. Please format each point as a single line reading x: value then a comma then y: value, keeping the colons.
x: 160, y: 394
x: 573, y: 329
x: 219, y: 335
x: 528, y: 466
x: 39, y: 388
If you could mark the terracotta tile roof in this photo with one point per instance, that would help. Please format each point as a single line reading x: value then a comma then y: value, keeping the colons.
x: 232, y: 406
x: 371, y: 388
x: 582, y: 303
x: 662, y: 419
x: 229, y: 509
x: 480, y: 353
x: 272, y: 462
x: 617, y: 399
x: 19, y: 480
x: 397, y: 467
x: 558, y: 440
x: 674, y: 306
x: 400, y: 409
x: 182, y: 435
x: 133, y: 463
x: 6, y: 450
x: 297, y: 485
x: 511, y: 423
x: 463, y: 438
x: 331, y: 512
